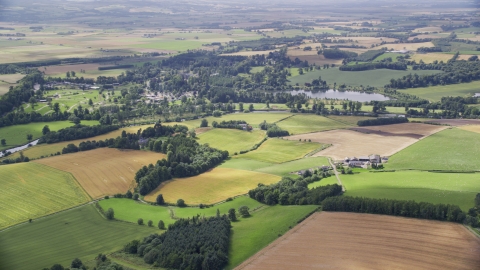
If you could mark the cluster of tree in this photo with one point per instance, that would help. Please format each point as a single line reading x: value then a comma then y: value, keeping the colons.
x: 185, y: 157
x: 382, y: 121
x: 295, y: 191
x: 369, y: 55
x: 429, y: 49
x: 102, y: 263
x: 20, y: 93
x: 377, y: 65
x: 233, y: 124
x: 198, y: 244
x: 337, y: 54
x: 395, y: 207
x: 9, y: 69
x: 75, y: 132
x: 266, y: 43
x: 19, y: 159
x: 159, y: 130
x: 115, y: 67
x: 273, y: 130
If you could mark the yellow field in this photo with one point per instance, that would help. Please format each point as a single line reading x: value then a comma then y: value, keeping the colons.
x: 473, y: 128
x: 45, y: 150
x: 11, y: 78
x: 211, y: 187
x: 430, y: 57
x: 104, y: 171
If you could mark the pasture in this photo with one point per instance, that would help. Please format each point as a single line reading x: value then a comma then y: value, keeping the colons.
x: 17, y: 135
x: 232, y: 140
x: 279, y: 151
x: 446, y: 188
x: 363, y: 241
x: 302, y: 123
x: 376, y: 78
x: 103, y: 171
x: 435, y: 93
x: 79, y: 233
x: 451, y: 149
x: 31, y: 190
x: 211, y: 187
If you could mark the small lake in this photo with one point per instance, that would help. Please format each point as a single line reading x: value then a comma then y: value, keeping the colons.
x: 19, y: 148
x: 477, y: 95
x: 350, y: 95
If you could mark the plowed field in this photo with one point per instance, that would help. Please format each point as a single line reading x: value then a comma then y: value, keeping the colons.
x: 361, y: 241
x: 103, y: 171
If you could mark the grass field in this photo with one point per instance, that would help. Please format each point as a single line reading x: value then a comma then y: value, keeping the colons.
x: 329, y: 240
x: 435, y: 93
x: 232, y: 140
x: 17, y: 135
x: 377, y: 78
x: 79, y: 233
x: 103, y: 171
x: 31, y: 190
x: 309, y: 123
x: 279, y: 151
x: 451, y: 149
x: 447, y: 188
x: 211, y: 187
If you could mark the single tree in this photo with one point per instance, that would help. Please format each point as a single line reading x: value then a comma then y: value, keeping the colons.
x: 160, y: 200
x: 68, y: 74
x: 3, y: 142
x: 240, y: 106
x: 231, y: 214
x: 129, y: 194
x: 29, y: 137
x: 73, y: 73
x: 110, y: 214
x: 161, y: 225
x: 218, y: 213
x: 204, y: 123
x: 57, y: 267
x: 76, y: 263
x: 135, y: 196
x: 243, y: 210
x: 250, y: 107
x: 150, y: 223
x: 140, y: 221
x: 192, y: 133
x: 181, y: 203
x: 90, y: 102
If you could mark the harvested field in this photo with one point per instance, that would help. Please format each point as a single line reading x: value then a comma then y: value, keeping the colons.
x: 11, y: 78
x: 248, y: 53
x: 211, y: 187
x: 104, y: 171
x: 278, y: 151
x: 53, y: 70
x: 473, y: 128
x: 364, y: 241
x: 456, y: 122
x: 411, y: 130
x: 408, y: 46
x: 347, y: 143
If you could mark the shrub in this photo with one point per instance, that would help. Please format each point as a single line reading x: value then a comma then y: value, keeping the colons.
x: 110, y: 214
x: 150, y: 223
x: 140, y: 221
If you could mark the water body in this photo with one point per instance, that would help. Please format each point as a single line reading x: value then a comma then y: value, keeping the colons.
x: 20, y: 148
x: 350, y: 95
x: 477, y: 95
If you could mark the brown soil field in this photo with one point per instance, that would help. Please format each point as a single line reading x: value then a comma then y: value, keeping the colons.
x: 248, y: 53
x: 104, y: 171
x: 348, y: 143
x: 408, y: 46
x: 53, y: 70
x: 456, y: 122
x: 412, y: 130
x: 329, y: 240
x: 473, y: 128
x: 311, y: 56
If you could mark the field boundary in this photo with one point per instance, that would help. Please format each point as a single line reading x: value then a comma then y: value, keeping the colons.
x: 325, y: 146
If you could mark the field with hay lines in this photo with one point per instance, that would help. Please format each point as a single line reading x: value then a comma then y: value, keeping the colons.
x: 211, y: 187
x: 300, y: 123
x: 103, y: 171
x: 435, y: 93
x: 78, y: 233
x: 31, y: 190
x: 232, y: 140
x: 279, y: 151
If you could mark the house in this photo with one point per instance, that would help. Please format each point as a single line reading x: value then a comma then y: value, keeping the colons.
x: 364, y: 158
x: 359, y: 164
x: 375, y: 159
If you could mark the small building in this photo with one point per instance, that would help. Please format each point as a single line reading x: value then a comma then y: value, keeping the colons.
x: 375, y: 159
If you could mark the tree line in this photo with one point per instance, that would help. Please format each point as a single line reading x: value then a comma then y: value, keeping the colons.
x: 273, y: 130
x: 75, y: 132
x: 382, y: 121
x: 377, y: 65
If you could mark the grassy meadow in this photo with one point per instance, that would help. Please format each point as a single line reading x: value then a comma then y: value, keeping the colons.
x: 232, y: 140
x: 300, y: 123
x: 79, y: 233
x: 279, y: 151
x: 451, y: 149
x: 435, y: 93
x: 32, y: 190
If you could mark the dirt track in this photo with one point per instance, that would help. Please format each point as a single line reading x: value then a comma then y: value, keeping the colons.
x: 330, y: 240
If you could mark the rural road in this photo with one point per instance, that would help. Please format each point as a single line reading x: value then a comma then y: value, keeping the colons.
x: 336, y: 174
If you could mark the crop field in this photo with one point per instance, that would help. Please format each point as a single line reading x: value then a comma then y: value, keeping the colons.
x: 301, y: 123
x: 279, y: 151
x: 473, y: 128
x: 32, y: 190
x: 311, y: 56
x: 363, y: 241
x: 45, y: 150
x: 91, y: 70
x: 431, y: 57
x: 447, y: 188
x: 17, y: 135
x: 347, y: 143
x: 377, y: 78
x: 413, y: 130
x: 211, y: 187
x: 232, y: 140
x: 435, y: 93
x: 11, y: 78
x: 79, y: 233
x: 104, y: 171
x: 451, y: 149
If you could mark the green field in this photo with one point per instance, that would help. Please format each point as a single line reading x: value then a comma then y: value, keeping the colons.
x: 435, y: 93
x: 451, y: 149
x: 31, y: 190
x: 377, y: 78
x: 302, y: 123
x: 79, y: 233
x: 446, y: 188
x: 232, y: 140
x: 244, y: 164
x: 171, y: 45
x: 17, y: 135
x: 279, y: 151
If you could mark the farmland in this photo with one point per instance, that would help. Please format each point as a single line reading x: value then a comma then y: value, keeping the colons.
x: 446, y: 188
x: 21, y: 196
x: 17, y: 135
x: 435, y: 93
x: 103, y: 171
x: 473, y: 128
x: 451, y: 149
x: 198, y: 189
x: 279, y: 151
x: 374, y: 242
x: 308, y: 123
x: 79, y: 233
x: 232, y: 140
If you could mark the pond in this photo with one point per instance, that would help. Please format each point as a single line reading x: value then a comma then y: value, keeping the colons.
x: 477, y: 95
x: 350, y: 95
